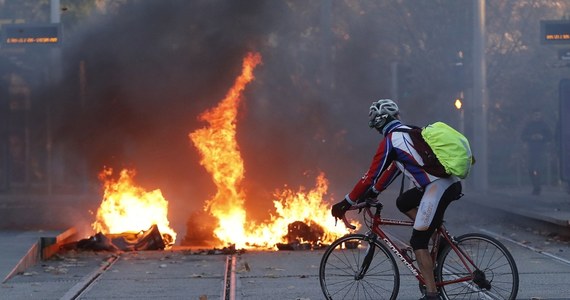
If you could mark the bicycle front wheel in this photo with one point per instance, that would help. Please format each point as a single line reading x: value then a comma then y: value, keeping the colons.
x: 494, y: 274
x: 359, y: 267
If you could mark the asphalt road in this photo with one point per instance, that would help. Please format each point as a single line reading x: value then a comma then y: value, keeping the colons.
x: 543, y: 259
x: 542, y: 255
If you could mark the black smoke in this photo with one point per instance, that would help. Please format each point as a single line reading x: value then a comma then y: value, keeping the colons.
x: 136, y: 81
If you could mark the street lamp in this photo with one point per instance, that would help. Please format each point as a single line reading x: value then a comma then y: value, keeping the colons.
x: 459, y: 105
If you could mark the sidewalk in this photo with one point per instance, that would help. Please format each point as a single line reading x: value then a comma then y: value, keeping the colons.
x: 15, y: 244
x: 551, y: 206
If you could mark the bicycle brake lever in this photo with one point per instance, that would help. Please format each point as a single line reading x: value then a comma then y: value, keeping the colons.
x: 347, y: 224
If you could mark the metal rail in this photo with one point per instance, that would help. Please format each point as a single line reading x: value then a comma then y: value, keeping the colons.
x: 229, y: 287
x: 82, y: 286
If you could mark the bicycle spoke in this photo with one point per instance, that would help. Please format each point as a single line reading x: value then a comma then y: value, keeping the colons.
x: 494, y: 276
x: 344, y: 274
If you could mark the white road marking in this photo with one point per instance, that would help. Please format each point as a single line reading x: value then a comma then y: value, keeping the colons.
x: 557, y: 258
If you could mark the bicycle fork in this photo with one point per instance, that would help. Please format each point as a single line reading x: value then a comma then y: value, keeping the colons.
x: 370, y: 249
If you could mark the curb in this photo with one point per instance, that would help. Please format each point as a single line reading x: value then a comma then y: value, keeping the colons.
x: 552, y: 216
x: 43, y: 249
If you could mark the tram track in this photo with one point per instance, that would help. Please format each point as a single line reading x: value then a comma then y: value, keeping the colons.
x: 89, y: 283
x: 229, y: 286
x: 89, y: 280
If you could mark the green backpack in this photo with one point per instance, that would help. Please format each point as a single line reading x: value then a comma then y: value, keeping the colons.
x: 443, y: 149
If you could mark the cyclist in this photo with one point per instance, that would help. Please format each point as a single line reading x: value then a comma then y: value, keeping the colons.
x: 425, y: 203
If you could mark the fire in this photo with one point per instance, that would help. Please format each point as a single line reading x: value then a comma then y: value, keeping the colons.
x: 129, y: 208
x: 291, y: 206
x: 221, y: 157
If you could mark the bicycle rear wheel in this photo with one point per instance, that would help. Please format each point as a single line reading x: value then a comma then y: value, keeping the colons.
x: 358, y: 267
x: 494, y: 276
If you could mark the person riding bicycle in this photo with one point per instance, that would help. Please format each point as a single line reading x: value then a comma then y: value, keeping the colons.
x: 425, y: 203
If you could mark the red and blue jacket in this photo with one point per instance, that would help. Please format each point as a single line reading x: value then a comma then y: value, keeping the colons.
x: 395, y: 154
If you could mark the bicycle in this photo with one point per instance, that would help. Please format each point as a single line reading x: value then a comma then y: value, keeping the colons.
x: 363, y: 266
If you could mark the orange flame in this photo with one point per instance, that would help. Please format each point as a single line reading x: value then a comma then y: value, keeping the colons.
x: 305, y: 206
x: 221, y: 157
x: 128, y: 208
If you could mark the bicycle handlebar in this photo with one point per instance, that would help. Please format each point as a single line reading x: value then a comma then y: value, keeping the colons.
x: 366, y: 204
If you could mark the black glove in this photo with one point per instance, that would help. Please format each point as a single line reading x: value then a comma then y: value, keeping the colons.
x: 369, y: 194
x: 340, y: 208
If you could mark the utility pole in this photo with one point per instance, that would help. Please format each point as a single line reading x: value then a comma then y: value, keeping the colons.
x: 54, y: 76
x: 326, y: 46
x: 480, y: 98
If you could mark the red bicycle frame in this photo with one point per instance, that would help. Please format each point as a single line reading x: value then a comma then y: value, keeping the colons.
x: 378, y: 221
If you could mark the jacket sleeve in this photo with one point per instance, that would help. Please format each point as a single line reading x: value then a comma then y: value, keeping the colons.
x: 383, y: 158
x: 387, y: 177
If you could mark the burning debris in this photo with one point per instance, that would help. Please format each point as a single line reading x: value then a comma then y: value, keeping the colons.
x: 150, y: 239
x: 300, y: 231
x: 128, y: 219
x: 302, y: 237
x: 129, y: 208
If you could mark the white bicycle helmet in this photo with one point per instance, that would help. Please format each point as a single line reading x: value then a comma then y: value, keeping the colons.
x: 380, y: 111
